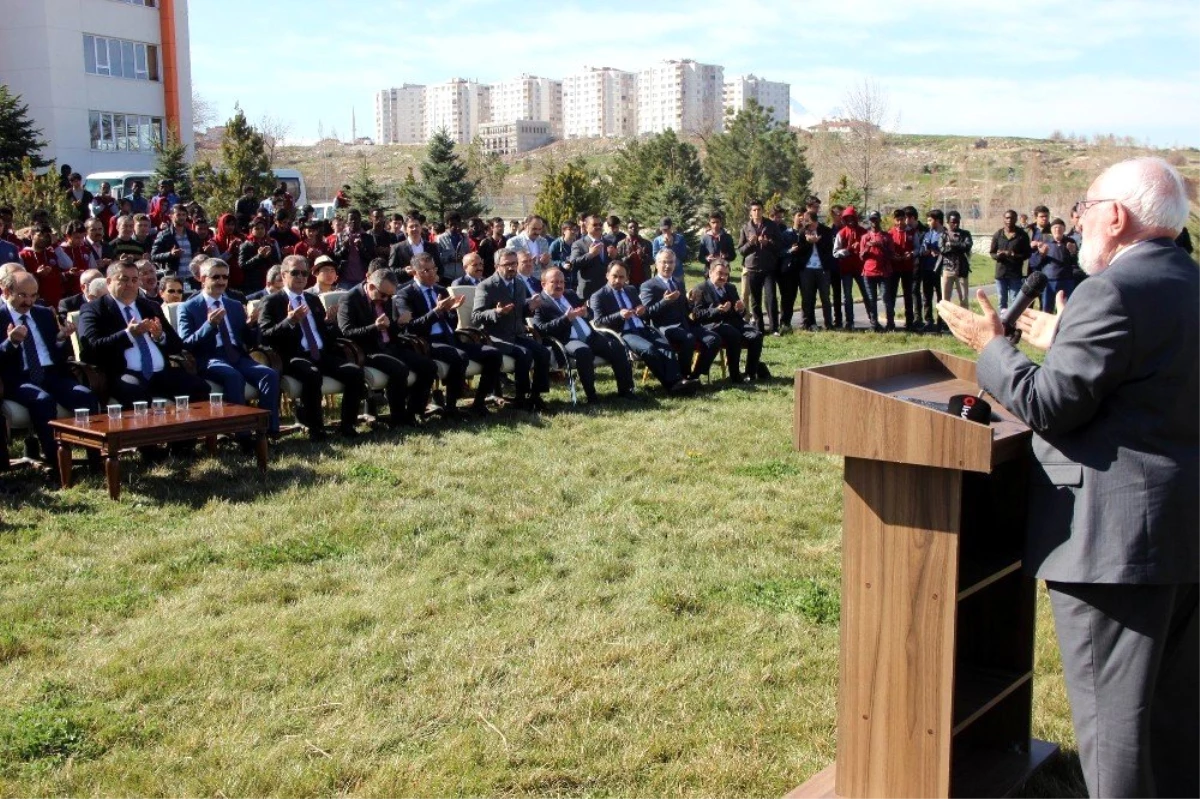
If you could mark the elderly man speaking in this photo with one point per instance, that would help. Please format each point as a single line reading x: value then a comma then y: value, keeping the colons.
x: 1113, y: 518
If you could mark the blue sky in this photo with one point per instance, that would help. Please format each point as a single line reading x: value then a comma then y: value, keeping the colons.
x: 1020, y: 68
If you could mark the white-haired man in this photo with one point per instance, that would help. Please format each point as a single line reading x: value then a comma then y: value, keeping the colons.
x: 1114, y: 527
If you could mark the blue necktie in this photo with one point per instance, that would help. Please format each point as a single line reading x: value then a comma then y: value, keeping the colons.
x: 431, y: 300
x: 143, y: 348
x: 32, y: 361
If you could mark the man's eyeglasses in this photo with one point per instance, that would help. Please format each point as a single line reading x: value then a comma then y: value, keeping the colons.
x: 1082, y: 206
x: 298, y: 272
x: 172, y: 291
x: 218, y: 277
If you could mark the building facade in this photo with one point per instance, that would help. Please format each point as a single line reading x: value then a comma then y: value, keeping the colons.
x: 774, y: 96
x: 685, y: 96
x: 510, y: 138
x: 529, y: 98
x: 459, y: 106
x: 600, y: 101
x: 400, y: 115
x: 103, y: 79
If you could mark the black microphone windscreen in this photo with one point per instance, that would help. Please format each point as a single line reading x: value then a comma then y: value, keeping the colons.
x: 1035, y: 284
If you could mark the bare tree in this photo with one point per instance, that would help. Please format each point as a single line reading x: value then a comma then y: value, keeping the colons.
x: 204, y: 111
x: 274, y: 132
x: 864, y: 154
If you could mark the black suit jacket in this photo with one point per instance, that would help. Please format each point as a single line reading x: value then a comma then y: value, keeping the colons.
x: 606, y: 310
x: 549, y: 319
x: 706, y: 311
x: 661, y: 312
x: 411, y: 298
x: 356, y: 320
x: 799, y: 259
x: 103, y: 339
x: 402, y: 255
x: 12, y: 365
x: 286, y: 338
x: 160, y: 252
x: 69, y: 304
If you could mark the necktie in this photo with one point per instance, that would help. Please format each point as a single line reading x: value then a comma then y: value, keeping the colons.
x: 632, y: 322
x: 32, y: 361
x: 143, y: 348
x: 310, y: 341
x: 529, y: 285
x: 383, y: 334
x: 431, y: 301
x: 226, y: 335
x: 579, y: 328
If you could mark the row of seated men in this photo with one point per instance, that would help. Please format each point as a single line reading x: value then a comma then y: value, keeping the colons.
x: 129, y: 339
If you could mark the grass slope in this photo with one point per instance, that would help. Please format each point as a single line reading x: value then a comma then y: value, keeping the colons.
x: 639, y: 599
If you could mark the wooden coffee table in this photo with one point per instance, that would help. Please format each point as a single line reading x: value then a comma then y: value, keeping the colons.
x: 110, y: 436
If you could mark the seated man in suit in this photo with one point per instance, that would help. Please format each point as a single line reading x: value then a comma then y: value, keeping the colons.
x: 721, y: 310
x: 130, y: 340
x: 500, y: 310
x: 274, y: 285
x: 616, y: 307
x: 33, y: 361
x: 563, y: 316
x: 525, y: 266
x: 668, y: 310
x: 368, y: 317
x: 402, y: 252
x: 293, y: 323
x: 472, y: 270
x: 214, y: 328
x: 73, y: 303
x: 433, y: 317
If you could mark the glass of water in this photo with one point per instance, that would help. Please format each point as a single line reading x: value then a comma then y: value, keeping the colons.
x: 181, y: 404
x: 114, y: 412
x: 216, y: 400
x: 140, y: 408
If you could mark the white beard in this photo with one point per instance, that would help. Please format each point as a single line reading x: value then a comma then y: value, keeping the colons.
x: 1092, y: 258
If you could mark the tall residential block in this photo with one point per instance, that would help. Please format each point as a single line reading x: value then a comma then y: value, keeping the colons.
x: 529, y: 97
x: 600, y: 101
x: 685, y: 96
x: 103, y: 79
x: 774, y: 96
x: 459, y: 106
x: 400, y: 115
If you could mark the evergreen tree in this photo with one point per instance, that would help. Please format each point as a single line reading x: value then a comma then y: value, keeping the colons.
x: 26, y: 191
x: 19, y: 139
x: 567, y: 192
x: 365, y: 193
x: 486, y: 169
x: 845, y: 194
x: 661, y: 177
x: 244, y: 163
x: 755, y: 158
x: 171, y: 164
x: 444, y: 186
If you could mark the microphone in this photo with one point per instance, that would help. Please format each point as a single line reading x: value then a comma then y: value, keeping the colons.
x: 970, y: 406
x: 1031, y: 289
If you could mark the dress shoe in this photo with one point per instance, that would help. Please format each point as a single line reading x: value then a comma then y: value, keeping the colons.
x: 348, y: 432
x: 453, y: 415
x: 403, y: 419
x: 479, y: 409
x: 627, y: 394
x: 537, y: 403
x: 593, y: 398
x: 317, y: 434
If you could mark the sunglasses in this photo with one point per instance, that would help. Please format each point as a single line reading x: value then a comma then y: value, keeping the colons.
x: 218, y: 277
x: 298, y: 273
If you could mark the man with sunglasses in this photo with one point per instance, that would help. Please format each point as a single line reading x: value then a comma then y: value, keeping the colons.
x: 293, y: 323
x: 214, y: 328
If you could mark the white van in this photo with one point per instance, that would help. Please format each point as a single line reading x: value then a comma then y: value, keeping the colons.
x: 122, y: 183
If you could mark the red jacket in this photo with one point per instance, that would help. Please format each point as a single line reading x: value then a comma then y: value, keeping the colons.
x: 44, y: 266
x: 903, y: 242
x: 875, y: 247
x: 847, y: 239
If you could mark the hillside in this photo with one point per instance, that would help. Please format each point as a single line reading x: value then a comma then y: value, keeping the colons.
x: 981, y: 177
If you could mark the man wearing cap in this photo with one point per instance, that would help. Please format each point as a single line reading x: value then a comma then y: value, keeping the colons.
x: 675, y: 242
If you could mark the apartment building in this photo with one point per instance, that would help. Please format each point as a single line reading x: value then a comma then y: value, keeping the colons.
x: 529, y: 98
x: 460, y: 106
x: 600, y: 101
x: 774, y: 96
x: 400, y: 115
x: 685, y: 96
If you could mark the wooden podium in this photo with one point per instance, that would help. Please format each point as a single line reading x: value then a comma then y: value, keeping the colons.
x: 936, y: 677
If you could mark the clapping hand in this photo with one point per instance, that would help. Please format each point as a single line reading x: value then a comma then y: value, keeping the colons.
x: 17, y: 333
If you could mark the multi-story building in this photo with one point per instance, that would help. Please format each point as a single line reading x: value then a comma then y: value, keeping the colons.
x: 510, y: 138
x: 400, y: 115
x: 460, y: 106
x: 772, y: 95
x: 529, y: 98
x: 684, y: 96
x: 103, y: 79
x: 600, y: 101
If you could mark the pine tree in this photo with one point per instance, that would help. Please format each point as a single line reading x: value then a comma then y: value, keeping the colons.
x: 19, y: 139
x: 365, y: 193
x: 755, y: 158
x: 845, y: 194
x: 171, y: 164
x: 244, y: 163
x: 567, y: 192
x: 444, y: 187
x: 26, y: 191
x: 661, y: 177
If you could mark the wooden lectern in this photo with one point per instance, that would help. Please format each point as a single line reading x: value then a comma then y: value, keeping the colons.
x: 936, y: 678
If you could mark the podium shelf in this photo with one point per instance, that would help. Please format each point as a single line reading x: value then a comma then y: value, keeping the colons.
x: 979, y: 690
x: 979, y: 575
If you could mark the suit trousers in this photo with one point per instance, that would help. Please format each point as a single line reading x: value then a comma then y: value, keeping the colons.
x: 457, y: 356
x: 688, y: 339
x: 424, y: 372
x: 736, y: 339
x: 814, y: 282
x: 168, y: 382
x: 310, y: 375
x: 655, y: 351
x: 529, y: 355
x: 43, y: 400
x: 1129, y: 655
x: 233, y: 378
x: 789, y: 286
x: 584, y: 354
x: 761, y: 285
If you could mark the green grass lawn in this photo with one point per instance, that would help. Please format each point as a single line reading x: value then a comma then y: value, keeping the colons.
x: 640, y: 599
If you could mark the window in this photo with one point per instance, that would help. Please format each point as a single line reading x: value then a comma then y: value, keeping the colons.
x: 118, y: 58
x: 116, y: 132
x: 146, y: 3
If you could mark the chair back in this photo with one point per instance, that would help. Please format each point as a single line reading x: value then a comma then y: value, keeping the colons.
x: 171, y: 311
x: 464, y: 310
x: 73, y: 317
x: 331, y: 299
